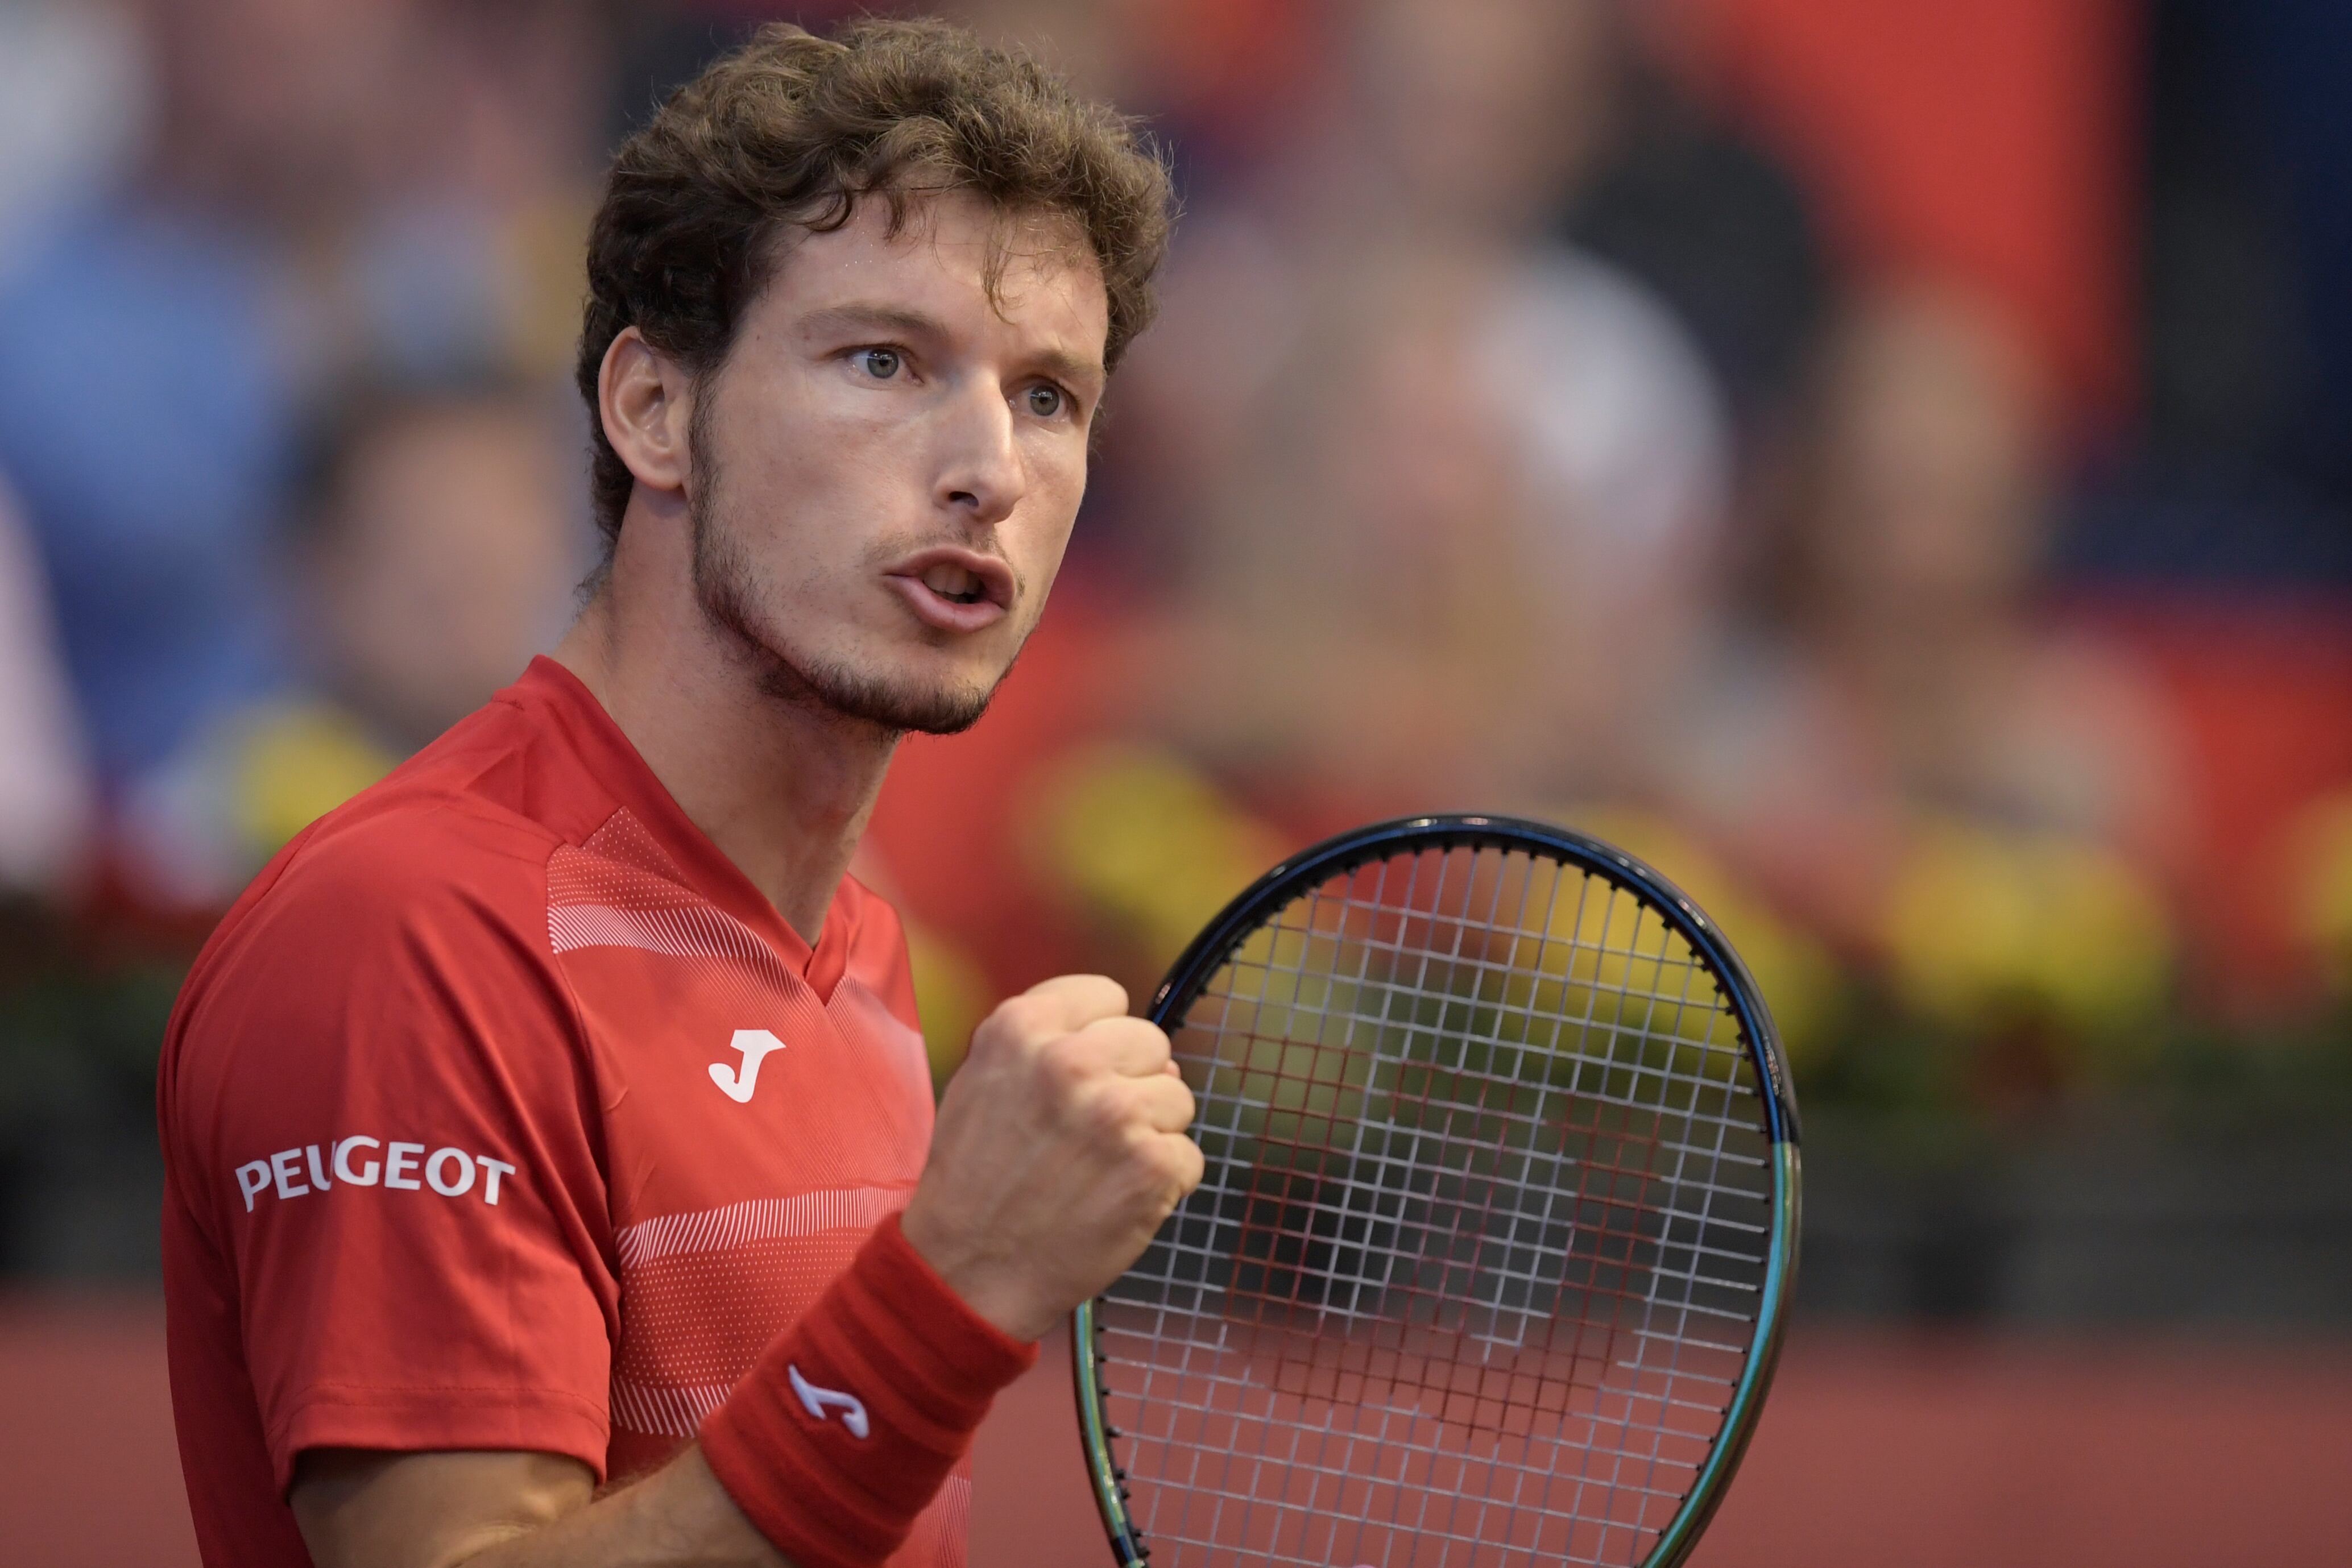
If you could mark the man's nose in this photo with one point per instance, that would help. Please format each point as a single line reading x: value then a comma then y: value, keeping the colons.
x: 982, y: 476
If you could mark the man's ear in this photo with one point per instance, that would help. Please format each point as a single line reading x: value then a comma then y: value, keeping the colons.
x: 646, y: 401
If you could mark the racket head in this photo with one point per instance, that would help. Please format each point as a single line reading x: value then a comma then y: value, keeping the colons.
x: 1341, y: 1247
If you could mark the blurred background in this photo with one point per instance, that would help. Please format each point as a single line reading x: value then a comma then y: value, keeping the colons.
x: 1890, y: 465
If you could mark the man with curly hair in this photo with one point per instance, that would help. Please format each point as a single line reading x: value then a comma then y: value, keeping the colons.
x: 552, y: 1116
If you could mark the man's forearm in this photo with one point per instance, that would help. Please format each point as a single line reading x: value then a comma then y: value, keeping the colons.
x: 678, y: 1517
x: 517, y: 1511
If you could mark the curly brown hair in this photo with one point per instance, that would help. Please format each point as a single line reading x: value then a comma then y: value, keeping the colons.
x: 795, y: 129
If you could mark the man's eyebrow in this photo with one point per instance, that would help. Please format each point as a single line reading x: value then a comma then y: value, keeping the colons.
x: 875, y: 318
x: 1068, y: 367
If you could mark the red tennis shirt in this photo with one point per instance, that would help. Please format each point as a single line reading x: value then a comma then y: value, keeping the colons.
x: 502, y: 1112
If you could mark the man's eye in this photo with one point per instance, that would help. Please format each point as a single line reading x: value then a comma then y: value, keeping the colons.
x: 1046, y: 401
x: 879, y: 363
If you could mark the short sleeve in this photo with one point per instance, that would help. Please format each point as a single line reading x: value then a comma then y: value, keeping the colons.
x: 378, y: 1107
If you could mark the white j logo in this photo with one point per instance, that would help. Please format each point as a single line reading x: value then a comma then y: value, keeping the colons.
x: 737, y: 1082
x: 815, y: 1399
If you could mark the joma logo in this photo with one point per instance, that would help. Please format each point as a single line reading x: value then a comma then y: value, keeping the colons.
x: 737, y: 1082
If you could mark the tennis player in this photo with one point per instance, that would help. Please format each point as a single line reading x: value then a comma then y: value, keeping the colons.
x: 553, y: 1116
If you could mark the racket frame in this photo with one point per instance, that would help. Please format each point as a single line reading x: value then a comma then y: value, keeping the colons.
x: 1314, y: 866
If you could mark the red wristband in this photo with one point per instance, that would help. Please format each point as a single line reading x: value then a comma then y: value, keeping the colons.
x: 843, y: 1430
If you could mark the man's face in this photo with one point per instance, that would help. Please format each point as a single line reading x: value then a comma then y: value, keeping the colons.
x: 888, y: 465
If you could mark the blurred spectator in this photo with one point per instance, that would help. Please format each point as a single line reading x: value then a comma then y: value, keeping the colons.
x: 1917, y: 743
x: 1476, y: 116
x: 329, y: 189
x: 434, y: 556
x: 45, y: 788
x: 1522, y: 116
x: 1703, y: 214
x: 445, y: 531
x: 1461, y: 539
x: 1441, y: 495
x: 420, y: 170
x: 142, y: 414
x: 474, y: 259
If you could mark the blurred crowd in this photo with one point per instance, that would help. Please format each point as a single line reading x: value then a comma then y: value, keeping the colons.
x: 1884, y: 463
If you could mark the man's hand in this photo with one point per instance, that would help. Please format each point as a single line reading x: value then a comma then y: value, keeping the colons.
x: 1060, y: 1147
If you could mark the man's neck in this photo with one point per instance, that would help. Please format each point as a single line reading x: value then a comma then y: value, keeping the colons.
x: 783, y: 789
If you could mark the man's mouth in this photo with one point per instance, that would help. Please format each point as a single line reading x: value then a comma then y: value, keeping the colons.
x: 954, y: 590
x: 954, y: 583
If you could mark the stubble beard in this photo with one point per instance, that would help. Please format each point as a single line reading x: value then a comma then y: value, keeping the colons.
x: 727, y: 590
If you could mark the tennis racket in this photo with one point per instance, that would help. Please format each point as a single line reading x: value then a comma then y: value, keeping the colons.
x: 1489, y: 1263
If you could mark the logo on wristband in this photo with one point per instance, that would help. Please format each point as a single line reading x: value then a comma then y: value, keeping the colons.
x: 815, y: 1401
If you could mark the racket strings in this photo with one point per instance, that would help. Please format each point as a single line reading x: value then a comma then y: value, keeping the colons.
x: 1479, y: 1254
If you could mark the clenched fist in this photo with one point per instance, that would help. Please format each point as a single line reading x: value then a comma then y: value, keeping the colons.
x: 1060, y: 1147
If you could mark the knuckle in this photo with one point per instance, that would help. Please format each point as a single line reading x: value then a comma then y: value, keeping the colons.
x: 995, y: 1032
x: 1116, y: 1038
x: 1097, y: 990
x: 1163, y: 1155
x: 1021, y: 1017
x: 1089, y: 996
x: 1172, y: 1168
x: 1169, y: 1098
x: 1107, y: 1113
x: 1146, y: 1036
x: 1064, y: 1068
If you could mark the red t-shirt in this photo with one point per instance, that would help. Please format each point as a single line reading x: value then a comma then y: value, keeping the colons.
x: 502, y: 1112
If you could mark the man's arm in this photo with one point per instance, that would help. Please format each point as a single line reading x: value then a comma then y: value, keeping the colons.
x: 364, y: 1509
x: 1059, y: 1149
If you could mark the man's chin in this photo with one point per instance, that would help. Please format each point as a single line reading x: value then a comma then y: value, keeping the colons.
x: 934, y: 701
x: 899, y: 704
